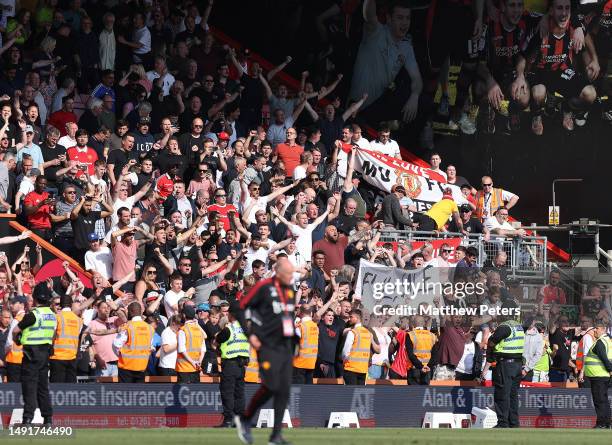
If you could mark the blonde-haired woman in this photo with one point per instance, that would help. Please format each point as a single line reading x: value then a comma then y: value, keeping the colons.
x: 137, y: 69
x: 43, y: 60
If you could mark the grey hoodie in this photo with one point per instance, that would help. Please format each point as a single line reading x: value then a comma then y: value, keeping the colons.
x: 534, y: 348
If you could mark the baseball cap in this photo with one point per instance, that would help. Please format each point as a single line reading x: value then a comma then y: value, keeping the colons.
x: 203, y: 307
x: 144, y: 120
x: 34, y: 172
x: 464, y: 208
x: 18, y: 299
x: 224, y: 136
x: 189, y: 311
x: 224, y: 303
x: 93, y: 237
x: 29, y: 129
x: 357, y: 175
x: 447, y: 193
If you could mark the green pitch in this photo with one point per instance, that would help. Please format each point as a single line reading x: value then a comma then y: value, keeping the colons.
x: 321, y: 436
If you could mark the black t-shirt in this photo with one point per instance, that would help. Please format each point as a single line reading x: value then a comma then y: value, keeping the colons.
x: 83, y: 226
x: 472, y: 226
x: 143, y: 142
x: 165, y: 159
x: 151, y: 257
x: 563, y: 355
x: 83, y: 356
x: 329, y: 336
x: 50, y: 154
x: 118, y: 158
x: 252, y: 95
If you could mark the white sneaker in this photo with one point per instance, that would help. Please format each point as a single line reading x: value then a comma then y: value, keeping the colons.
x: 465, y: 125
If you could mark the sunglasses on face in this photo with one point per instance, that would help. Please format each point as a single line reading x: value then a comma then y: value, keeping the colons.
x: 446, y: 250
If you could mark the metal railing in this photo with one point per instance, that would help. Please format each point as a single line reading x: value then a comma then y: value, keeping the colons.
x: 527, y: 256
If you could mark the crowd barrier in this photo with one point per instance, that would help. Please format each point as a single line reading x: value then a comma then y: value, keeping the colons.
x: 199, y: 405
x: 527, y: 256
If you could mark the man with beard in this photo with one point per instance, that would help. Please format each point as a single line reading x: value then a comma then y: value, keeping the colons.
x: 85, y: 155
x: 333, y: 246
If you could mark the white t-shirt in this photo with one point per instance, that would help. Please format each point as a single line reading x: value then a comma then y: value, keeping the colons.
x: 128, y: 204
x: 391, y: 148
x: 466, y: 364
x: 100, y: 261
x: 166, y: 83
x: 67, y: 141
x: 492, y: 223
x: 261, y: 204
x: 304, y: 240
x: 299, y: 172
x: 99, y: 182
x: 143, y: 35
x: 168, y: 360
x: 26, y: 186
x: 183, y: 205
x: 171, y: 299
x: 259, y: 254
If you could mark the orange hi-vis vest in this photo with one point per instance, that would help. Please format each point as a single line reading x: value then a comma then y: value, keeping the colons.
x: 15, y: 354
x: 251, y: 374
x: 581, y: 352
x: 309, y: 345
x: 496, y: 199
x: 359, y: 357
x: 66, y: 340
x: 134, y: 354
x: 422, y: 342
x: 194, y: 337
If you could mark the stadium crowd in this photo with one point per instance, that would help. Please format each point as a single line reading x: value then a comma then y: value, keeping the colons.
x: 142, y: 148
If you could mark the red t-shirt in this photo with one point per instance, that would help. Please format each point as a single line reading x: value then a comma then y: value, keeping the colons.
x: 553, y: 294
x: 290, y: 156
x: 165, y: 186
x: 87, y: 157
x: 223, y: 212
x: 39, y: 219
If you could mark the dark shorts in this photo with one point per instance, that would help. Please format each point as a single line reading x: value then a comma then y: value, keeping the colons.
x: 449, y: 32
x: 275, y: 368
x: 568, y: 83
x: 505, y: 79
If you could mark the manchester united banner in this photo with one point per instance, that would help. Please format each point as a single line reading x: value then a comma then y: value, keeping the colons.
x: 423, y: 186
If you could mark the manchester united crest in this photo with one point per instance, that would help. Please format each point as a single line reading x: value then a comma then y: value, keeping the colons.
x: 411, y: 183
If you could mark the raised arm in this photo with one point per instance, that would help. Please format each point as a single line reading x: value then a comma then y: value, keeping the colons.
x: 354, y: 107
x: 274, y: 71
x: 369, y: 15
x: 266, y: 86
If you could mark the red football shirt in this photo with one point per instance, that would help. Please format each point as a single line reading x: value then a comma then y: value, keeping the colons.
x: 87, y: 157
x: 39, y: 219
x: 165, y: 186
x: 223, y: 212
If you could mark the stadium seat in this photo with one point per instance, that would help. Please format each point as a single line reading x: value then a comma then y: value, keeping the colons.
x: 266, y: 417
x: 17, y: 417
x: 484, y: 418
x: 343, y: 420
x: 439, y: 420
x: 463, y: 420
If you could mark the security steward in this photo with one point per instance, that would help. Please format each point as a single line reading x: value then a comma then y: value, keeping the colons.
x: 505, y: 348
x: 308, y: 332
x: 35, y: 333
x: 63, y: 362
x: 251, y: 374
x: 234, y: 347
x: 358, y: 345
x: 191, y: 348
x: 598, y: 370
x: 419, y: 343
x: 270, y: 306
x: 133, y: 346
x: 14, y: 352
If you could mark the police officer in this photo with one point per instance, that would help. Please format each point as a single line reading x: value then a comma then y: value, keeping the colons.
x: 234, y: 347
x: 505, y: 348
x: 35, y: 332
x: 270, y: 306
x: 598, y: 370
